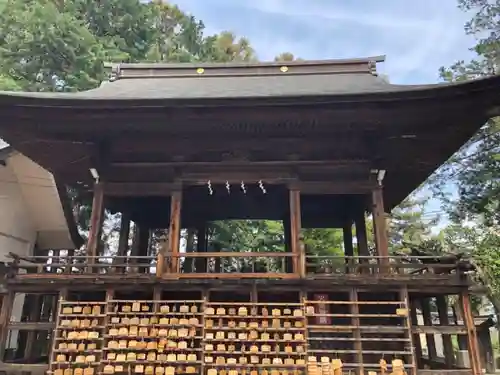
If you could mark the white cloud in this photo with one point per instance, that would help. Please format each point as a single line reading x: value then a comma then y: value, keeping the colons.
x: 334, y: 11
x: 417, y: 37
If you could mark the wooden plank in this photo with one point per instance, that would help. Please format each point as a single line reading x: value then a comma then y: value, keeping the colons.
x: 160, y: 189
x: 22, y: 369
x: 231, y: 276
x: 449, y: 330
x: 134, y: 189
x: 32, y: 326
x: 445, y: 372
x: 237, y: 255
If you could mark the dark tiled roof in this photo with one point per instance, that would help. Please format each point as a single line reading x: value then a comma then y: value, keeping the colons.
x: 239, y: 81
x: 198, y: 87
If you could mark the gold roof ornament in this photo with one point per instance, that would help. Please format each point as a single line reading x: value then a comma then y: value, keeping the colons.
x: 200, y: 70
x: 284, y: 69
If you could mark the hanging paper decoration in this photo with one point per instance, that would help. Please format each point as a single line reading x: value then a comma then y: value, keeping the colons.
x: 243, y: 187
x: 210, y: 190
x: 228, y: 187
x: 261, y: 185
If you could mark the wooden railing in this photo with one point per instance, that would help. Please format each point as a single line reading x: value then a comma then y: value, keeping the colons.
x: 81, y: 264
x: 235, y: 265
x: 372, y: 265
x: 232, y: 264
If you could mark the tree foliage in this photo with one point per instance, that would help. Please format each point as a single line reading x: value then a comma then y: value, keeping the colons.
x: 475, y: 169
x: 43, y: 49
x: 409, y: 225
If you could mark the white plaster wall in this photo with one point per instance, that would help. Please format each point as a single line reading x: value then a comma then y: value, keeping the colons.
x: 17, y: 233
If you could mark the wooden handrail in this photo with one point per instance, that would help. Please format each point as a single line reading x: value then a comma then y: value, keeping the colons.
x: 234, y: 255
x: 249, y: 264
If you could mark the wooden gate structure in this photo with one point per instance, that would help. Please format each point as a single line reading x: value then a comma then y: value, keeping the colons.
x: 175, y: 147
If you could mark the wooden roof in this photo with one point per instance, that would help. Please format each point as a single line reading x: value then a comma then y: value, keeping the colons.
x: 319, y: 121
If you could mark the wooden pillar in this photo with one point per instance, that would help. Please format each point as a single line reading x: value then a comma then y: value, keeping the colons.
x: 123, y: 238
x: 174, y: 231
x: 404, y: 297
x: 34, y: 316
x: 347, y: 235
x: 201, y: 238
x: 143, y: 246
x: 429, y: 338
x: 96, y: 221
x: 134, y: 251
x: 486, y: 349
x: 473, y: 347
x: 416, y: 337
x: 361, y: 237
x: 189, y: 262
x: 354, y: 306
x: 5, y: 313
x: 287, y: 236
x: 295, y: 227
x: 379, y: 227
x: 348, y: 247
x: 442, y: 306
x: 123, y: 235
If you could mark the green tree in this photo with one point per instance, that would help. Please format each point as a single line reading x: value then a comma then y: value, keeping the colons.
x: 227, y: 47
x: 43, y: 49
x: 7, y: 83
x: 476, y: 167
x: 286, y: 57
x: 123, y: 27
x: 409, y: 224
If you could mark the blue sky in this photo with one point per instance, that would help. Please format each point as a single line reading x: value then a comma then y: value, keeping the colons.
x: 416, y: 36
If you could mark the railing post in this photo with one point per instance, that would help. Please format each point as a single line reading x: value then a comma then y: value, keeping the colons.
x: 348, y: 247
x: 174, y: 232
x: 302, y: 258
x: 160, y: 263
x: 5, y: 315
x: 472, y: 343
x: 295, y: 226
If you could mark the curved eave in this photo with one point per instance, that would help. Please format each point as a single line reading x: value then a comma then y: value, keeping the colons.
x: 100, y: 98
x: 52, y: 234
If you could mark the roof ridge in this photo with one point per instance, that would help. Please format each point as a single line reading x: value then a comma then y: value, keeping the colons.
x: 145, y: 70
